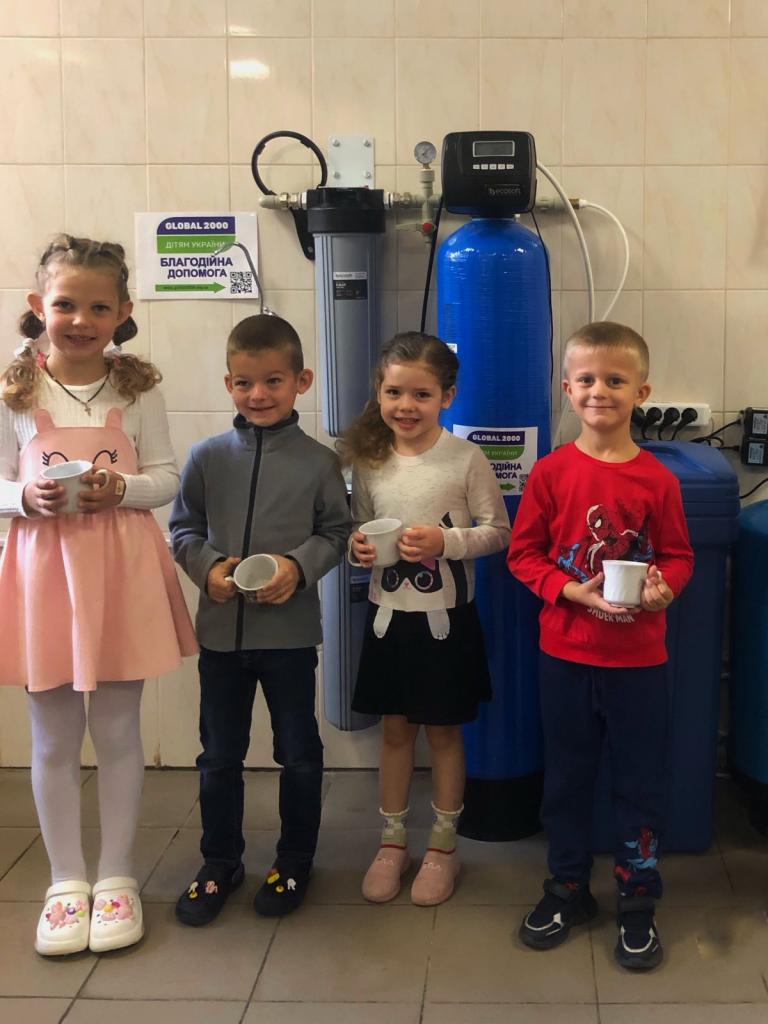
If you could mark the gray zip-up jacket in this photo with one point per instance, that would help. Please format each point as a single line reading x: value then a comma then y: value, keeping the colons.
x: 260, y: 489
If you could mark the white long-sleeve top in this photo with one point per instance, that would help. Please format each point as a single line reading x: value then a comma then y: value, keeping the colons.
x: 145, y: 422
x: 452, y: 484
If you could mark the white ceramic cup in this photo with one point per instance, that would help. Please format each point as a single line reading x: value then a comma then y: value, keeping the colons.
x: 623, y: 584
x: 384, y: 535
x: 68, y: 475
x: 254, y: 572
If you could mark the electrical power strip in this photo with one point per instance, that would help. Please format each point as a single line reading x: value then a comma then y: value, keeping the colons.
x: 703, y: 411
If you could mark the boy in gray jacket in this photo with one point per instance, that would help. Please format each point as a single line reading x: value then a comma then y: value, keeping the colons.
x: 263, y: 487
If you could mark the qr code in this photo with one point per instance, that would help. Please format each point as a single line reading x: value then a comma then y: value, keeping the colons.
x: 523, y: 480
x: 241, y: 282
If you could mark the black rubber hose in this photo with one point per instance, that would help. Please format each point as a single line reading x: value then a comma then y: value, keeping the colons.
x: 286, y: 135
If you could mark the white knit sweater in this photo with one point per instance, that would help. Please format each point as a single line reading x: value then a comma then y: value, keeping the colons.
x: 145, y: 422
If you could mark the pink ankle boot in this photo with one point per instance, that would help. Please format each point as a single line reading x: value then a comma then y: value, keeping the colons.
x: 435, y: 881
x: 382, y: 879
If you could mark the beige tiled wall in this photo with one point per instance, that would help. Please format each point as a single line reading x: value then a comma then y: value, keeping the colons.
x: 654, y: 108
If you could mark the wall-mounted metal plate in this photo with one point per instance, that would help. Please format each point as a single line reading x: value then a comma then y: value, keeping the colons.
x: 351, y: 161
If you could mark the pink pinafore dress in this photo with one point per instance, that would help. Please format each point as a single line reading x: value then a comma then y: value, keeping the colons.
x: 88, y: 598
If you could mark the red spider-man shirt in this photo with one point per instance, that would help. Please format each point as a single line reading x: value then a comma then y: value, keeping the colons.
x: 577, y: 511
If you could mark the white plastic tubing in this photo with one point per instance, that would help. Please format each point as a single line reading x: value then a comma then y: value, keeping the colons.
x: 588, y: 205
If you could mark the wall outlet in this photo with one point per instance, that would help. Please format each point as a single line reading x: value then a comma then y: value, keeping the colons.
x: 703, y: 411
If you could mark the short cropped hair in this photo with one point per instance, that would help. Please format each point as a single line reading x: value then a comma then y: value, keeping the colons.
x: 609, y: 335
x: 265, y: 332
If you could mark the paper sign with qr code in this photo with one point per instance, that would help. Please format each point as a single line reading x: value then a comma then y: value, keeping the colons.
x: 197, y: 255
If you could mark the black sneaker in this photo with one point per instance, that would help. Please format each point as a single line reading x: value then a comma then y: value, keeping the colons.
x: 205, y: 897
x: 282, y: 892
x: 551, y: 919
x: 639, y: 947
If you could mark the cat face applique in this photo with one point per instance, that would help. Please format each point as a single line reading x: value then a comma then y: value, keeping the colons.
x: 424, y: 577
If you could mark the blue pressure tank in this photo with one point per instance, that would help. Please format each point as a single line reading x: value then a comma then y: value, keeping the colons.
x: 748, y: 740
x: 493, y: 300
x: 694, y: 642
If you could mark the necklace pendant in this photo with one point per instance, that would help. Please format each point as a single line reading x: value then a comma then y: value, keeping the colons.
x: 87, y: 409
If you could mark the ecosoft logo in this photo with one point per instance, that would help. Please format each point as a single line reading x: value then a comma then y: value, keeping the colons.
x: 499, y: 444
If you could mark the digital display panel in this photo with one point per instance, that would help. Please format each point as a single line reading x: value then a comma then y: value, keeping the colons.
x: 501, y: 147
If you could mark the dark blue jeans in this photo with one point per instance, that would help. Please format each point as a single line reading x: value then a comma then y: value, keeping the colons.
x: 584, y: 707
x: 228, y: 683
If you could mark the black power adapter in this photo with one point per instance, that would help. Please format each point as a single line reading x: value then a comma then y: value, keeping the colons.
x: 754, y: 442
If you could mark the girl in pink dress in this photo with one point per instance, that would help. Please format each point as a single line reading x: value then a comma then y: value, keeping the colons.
x: 89, y: 600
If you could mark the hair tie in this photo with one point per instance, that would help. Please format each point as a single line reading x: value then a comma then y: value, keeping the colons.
x: 40, y: 360
x: 28, y: 345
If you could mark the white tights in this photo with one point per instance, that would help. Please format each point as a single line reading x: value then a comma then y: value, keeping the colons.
x: 58, y: 725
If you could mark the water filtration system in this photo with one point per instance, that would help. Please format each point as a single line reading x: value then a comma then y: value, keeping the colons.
x: 494, y: 307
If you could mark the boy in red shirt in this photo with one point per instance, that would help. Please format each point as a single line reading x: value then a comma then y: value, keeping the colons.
x: 602, y: 672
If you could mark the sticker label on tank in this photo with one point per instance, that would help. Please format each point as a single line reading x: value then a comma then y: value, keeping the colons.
x: 350, y: 284
x: 511, y: 452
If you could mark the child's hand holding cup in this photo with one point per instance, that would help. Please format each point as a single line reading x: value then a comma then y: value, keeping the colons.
x: 376, y: 543
x: 56, y: 490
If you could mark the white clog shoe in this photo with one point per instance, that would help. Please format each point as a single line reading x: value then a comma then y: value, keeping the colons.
x: 116, y: 919
x: 64, y: 921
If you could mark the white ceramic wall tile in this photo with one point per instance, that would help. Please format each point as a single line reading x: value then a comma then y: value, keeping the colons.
x: 353, y: 88
x: 13, y: 303
x: 20, y: 18
x: 688, y: 17
x: 522, y: 18
x: 746, y: 368
x: 186, y: 101
x: 747, y: 233
x: 199, y: 187
x: 104, y: 124
x: 605, y: 18
x: 686, y: 119
x: 187, y: 428
x: 30, y: 123
x: 437, y: 90
x: 34, y: 208
x: 15, y: 739
x: 685, y: 217
x: 603, y: 90
x: 270, y: 87
x: 368, y: 18
x: 269, y: 17
x: 521, y: 88
x: 100, y: 202
x: 749, y: 87
x: 102, y: 17
x: 185, y: 17
x: 620, y: 190
x: 178, y: 720
x: 749, y: 18
x: 282, y: 264
x: 573, y: 313
x: 188, y: 344
x: 425, y: 18
x: 685, y: 332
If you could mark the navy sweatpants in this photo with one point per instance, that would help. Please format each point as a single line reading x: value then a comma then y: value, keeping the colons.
x: 584, y: 707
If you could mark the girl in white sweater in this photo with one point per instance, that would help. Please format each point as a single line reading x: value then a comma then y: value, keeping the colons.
x: 423, y: 659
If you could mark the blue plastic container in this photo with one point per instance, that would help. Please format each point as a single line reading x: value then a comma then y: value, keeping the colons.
x: 748, y: 743
x: 694, y: 641
x: 493, y: 306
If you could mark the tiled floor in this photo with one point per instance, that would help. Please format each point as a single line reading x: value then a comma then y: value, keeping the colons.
x: 339, y: 960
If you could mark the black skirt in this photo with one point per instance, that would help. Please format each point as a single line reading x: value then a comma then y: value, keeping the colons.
x: 431, y: 682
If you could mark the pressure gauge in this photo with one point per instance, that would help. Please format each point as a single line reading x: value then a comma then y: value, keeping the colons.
x: 424, y: 152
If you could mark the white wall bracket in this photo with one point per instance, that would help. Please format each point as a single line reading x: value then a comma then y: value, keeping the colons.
x: 351, y: 161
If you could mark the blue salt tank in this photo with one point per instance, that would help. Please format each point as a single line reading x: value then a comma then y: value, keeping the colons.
x: 694, y: 641
x: 748, y: 741
x: 493, y: 297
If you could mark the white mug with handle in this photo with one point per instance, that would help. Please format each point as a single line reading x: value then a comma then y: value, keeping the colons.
x: 68, y: 475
